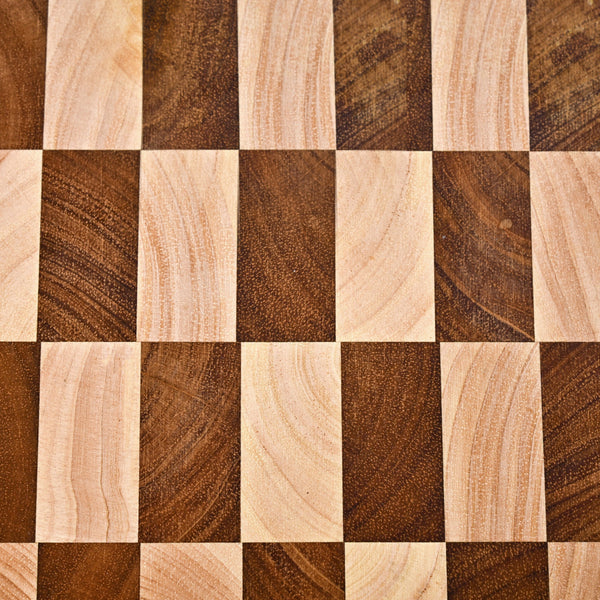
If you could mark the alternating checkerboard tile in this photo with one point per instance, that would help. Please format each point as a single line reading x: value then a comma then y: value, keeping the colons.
x: 18, y: 571
x: 574, y: 571
x: 383, y: 74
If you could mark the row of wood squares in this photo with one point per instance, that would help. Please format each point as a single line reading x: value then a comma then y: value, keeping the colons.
x: 407, y: 442
x: 299, y: 246
x: 355, y: 571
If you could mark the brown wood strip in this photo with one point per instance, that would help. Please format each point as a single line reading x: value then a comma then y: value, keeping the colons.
x: 190, y: 443
x: 22, y: 71
x: 571, y: 414
x: 88, y: 571
x: 392, y: 452
x: 308, y: 571
x: 88, y: 253
x: 286, y: 246
x: 18, y: 571
x: 383, y: 74
x: 190, y: 74
x: 482, y: 230
x: 19, y: 408
x: 574, y: 571
x: 564, y: 74
x: 503, y: 571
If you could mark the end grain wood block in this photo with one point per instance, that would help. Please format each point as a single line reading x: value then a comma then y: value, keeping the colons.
x: 395, y: 571
x: 190, y: 74
x: 571, y: 414
x: 23, y: 58
x: 88, y: 572
x: 483, y: 280
x: 18, y: 571
x: 384, y: 247
x: 565, y: 207
x: 187, y: 246
x: 19, y: 412
x: 564, y: 74
x: 307, y: 571
x: 493, y: 451
x: 286, y: 71
x: 480, y: 75
x: 291, y: 442
x: 392, y: 426
x: 574, y: 571
x: 88, y: 464
x: 94, y: 75
x: 191, y: 572
x: 88, y: 253
x: 383, y: 74
x: 190, y: 443
x: 20, y: 210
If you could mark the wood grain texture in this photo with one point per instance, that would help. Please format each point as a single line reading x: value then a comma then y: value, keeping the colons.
x: 483, y: 280
x: 22, y: 72
x: 88, y: 571
x: 88, y: 252
x: 383, y: 74
x: 191, y: 572
x: 392, y: 426
x: 565, y: 207
x: 307, y: 571
x: 291, y: 443
x: 384, y: 247
x: 574, y: 571
x: 395, y: 571
x: 187, y: 246
x: 479, y: 52
x: 517, y: 571
x: 18, y: 571
x: 286, y: 247
x: 493, y: 450
x: 94, y: 75
x: 571, y: 416
x: 286, y: 70
x: 190, y: 74
x: 88, y: 461
x: 190, y: 443
x: 20, y: 210
x: 19, y: 411
x: 564, y: 74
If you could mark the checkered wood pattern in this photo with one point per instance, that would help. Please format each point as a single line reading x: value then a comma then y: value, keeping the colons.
x: 300, y: 299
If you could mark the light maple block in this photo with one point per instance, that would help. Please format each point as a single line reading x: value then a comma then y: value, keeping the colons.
x: 20, y: 212
x: 565, y: 209
x: 384, y: 247
x: 396, y: 571
x: 187, y: 246
x: 94, y: 75
x: 291, y: 442
x: 88, y: 458
x: 574, y: 569
x: 479, y: 76
x: 286, y: 74
x: 18, y: 571
x: 191, y: 571
x: 493, y: 448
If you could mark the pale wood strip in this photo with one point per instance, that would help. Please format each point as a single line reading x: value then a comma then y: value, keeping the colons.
x: 191, y: 571
x: 18, y: 571
x: 88, y: 462
x: 405, y: 571
x: 384, y: 247
x: 565, y: 229
x: 574, y: 570
x: 291, y: 442
x: 94, y: 75
x: 20, y: 211
x: 493, y: 448
x: 479, y: 77
x: 286, y: 72
x: 187, y: 245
